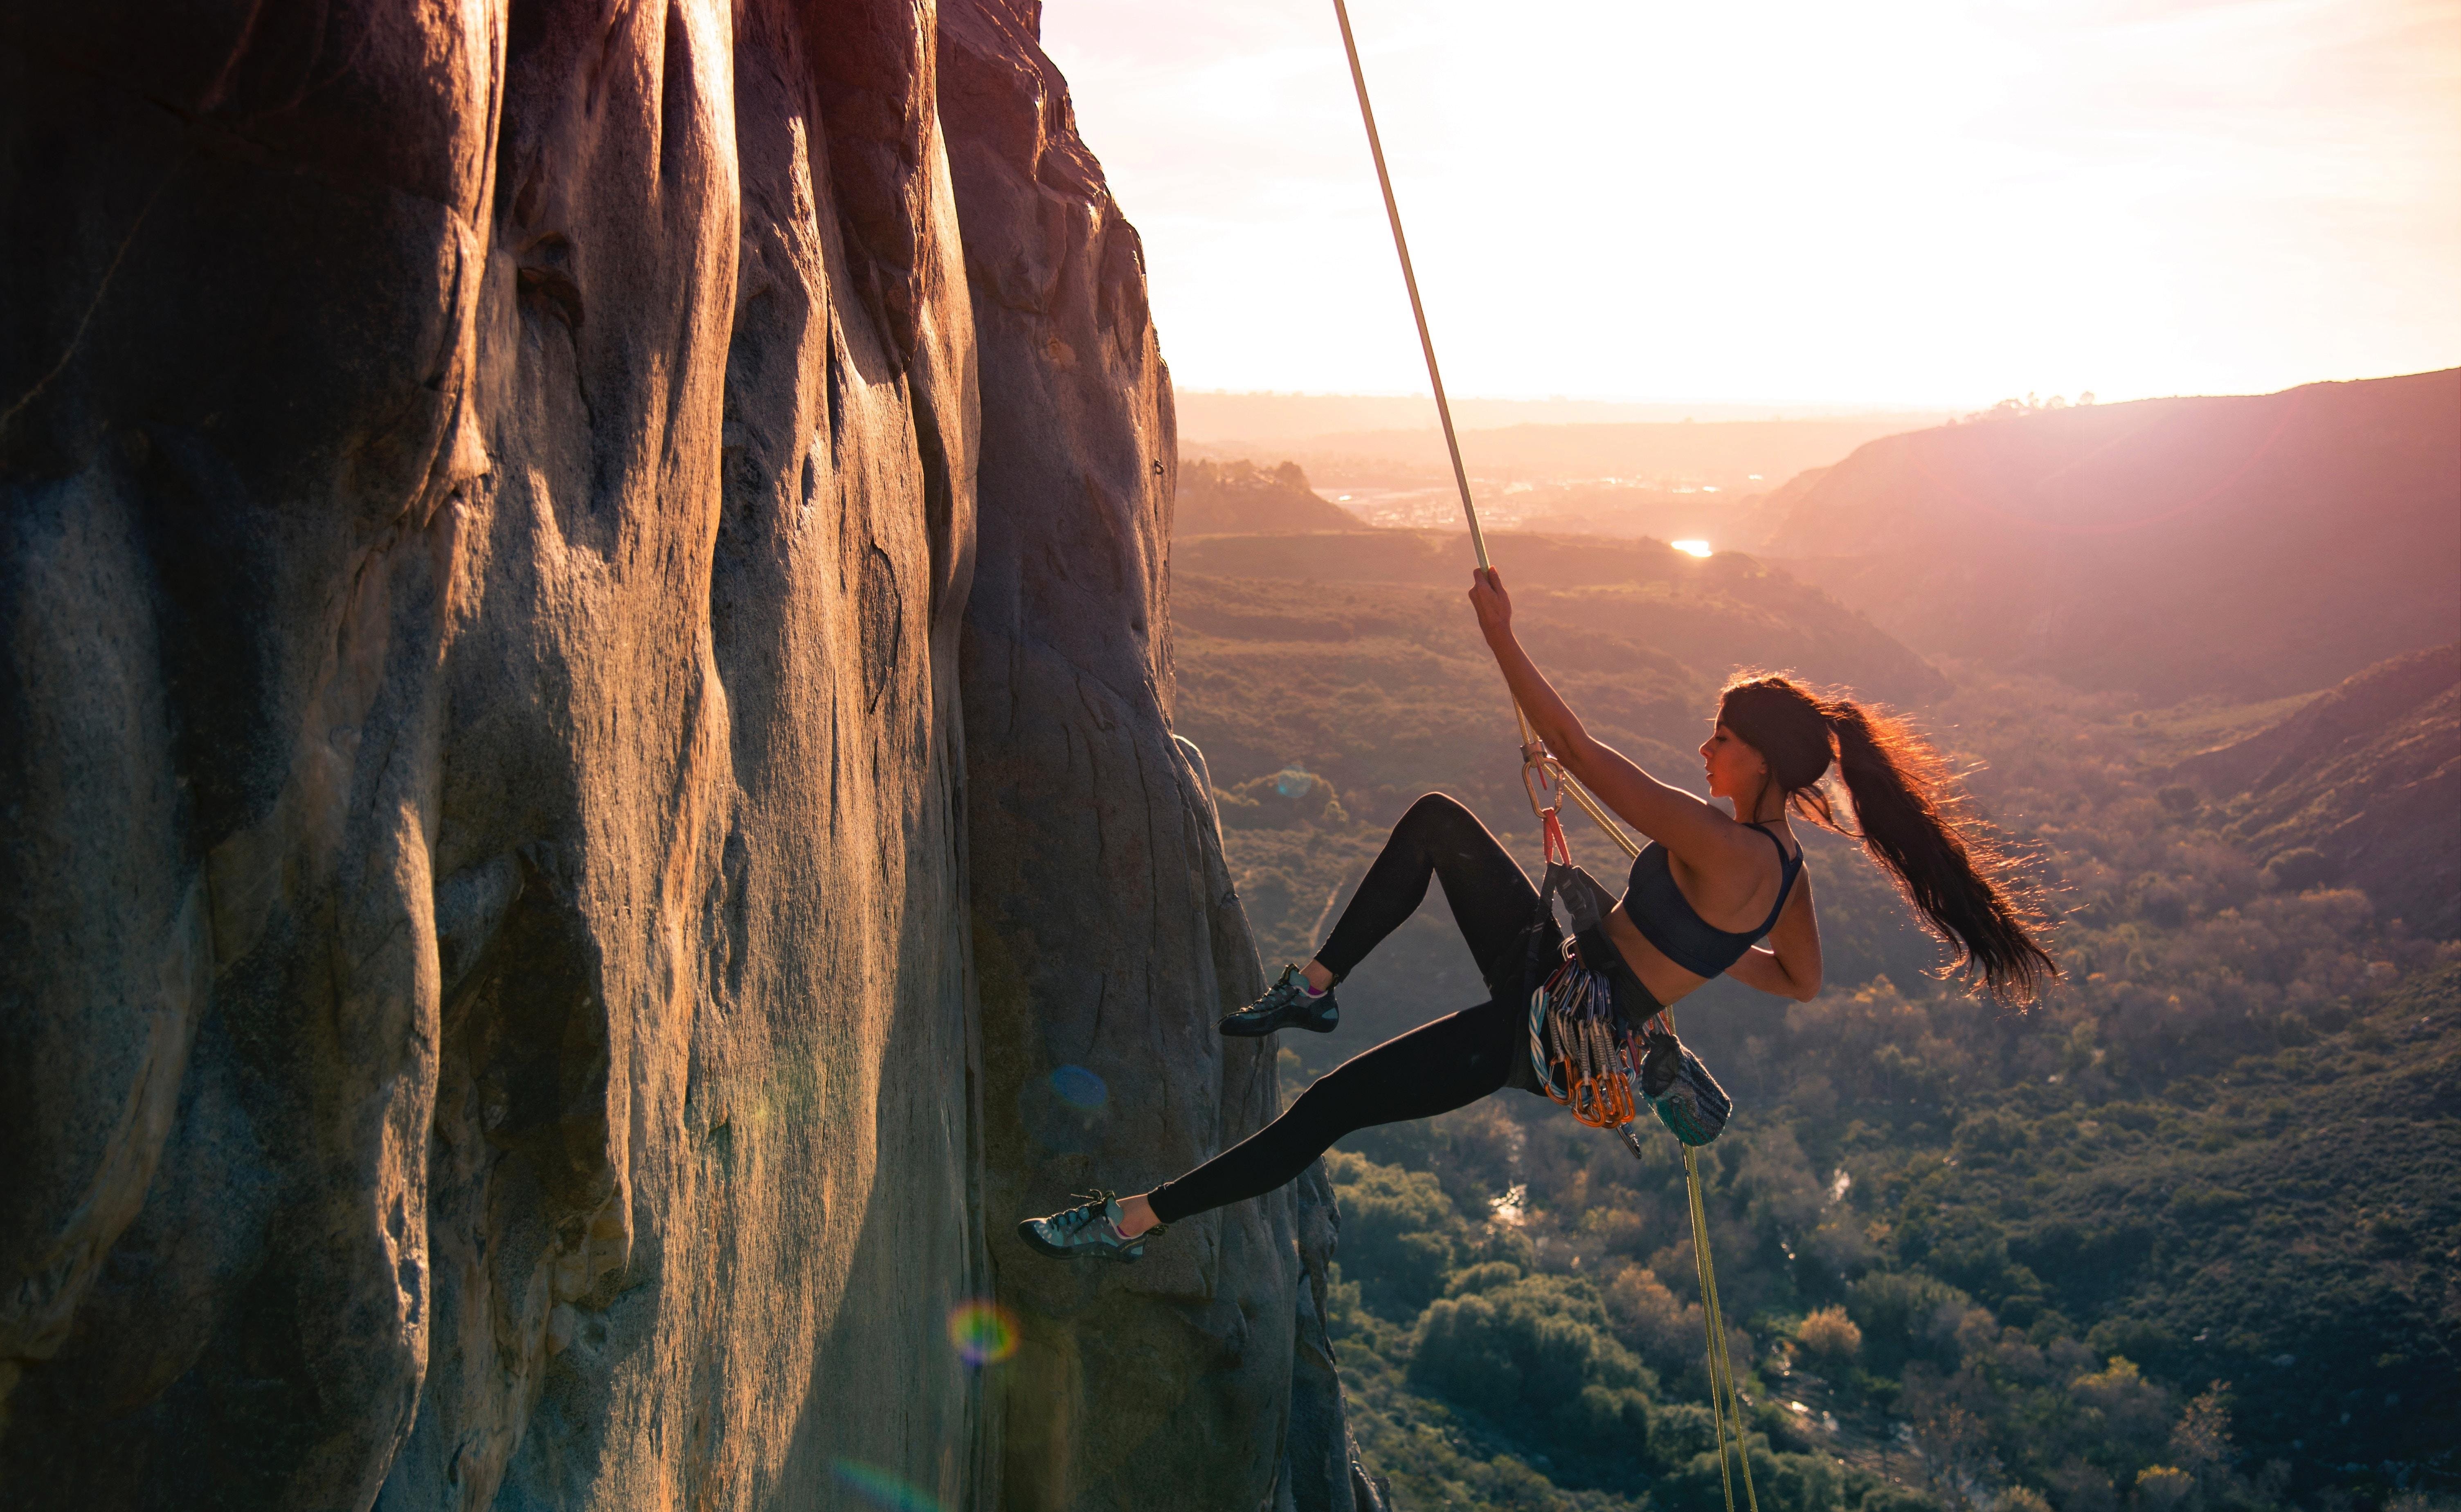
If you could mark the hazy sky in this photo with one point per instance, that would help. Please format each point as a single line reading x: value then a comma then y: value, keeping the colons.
x: 1788, y: 201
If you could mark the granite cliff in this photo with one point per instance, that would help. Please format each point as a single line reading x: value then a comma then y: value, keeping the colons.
x: 584, y: 718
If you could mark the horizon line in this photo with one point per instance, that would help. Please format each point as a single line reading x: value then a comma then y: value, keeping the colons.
x: 1855, y: 406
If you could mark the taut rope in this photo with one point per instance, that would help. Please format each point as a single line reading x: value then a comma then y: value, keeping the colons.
x: 1725, y: 1408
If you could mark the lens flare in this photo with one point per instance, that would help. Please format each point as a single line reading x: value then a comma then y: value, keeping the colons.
x: 1292, y: 782
x: 983, y: 1333
x: 1080, y: 1088
x: 883, y: 1489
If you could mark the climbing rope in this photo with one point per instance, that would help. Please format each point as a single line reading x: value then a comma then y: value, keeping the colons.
x: 1573, y: 1004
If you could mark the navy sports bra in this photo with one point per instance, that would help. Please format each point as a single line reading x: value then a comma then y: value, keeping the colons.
x: 1667, y: 920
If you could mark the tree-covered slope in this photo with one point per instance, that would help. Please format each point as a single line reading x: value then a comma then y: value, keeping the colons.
x: 2362, y: 786
x: 2141, y: 1247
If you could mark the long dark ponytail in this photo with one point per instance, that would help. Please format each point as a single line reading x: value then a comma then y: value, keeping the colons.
x: 1905, y: 813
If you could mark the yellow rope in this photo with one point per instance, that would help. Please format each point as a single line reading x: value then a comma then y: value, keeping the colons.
x: 1725, y: 1408
x: 1728, y: 1414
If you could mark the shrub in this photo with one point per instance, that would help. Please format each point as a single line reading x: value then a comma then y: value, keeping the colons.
x: 1486, y: 1276
x: 1905, y: 1314
x: 1400, y: 1235
x: 2133, y: 1414
x: 2162, y: 1487
x: 1535, y: 1355
x: 1785, y: 1483
x: 1665, y: 1331
x: 1286, y: 799
x: 2298, y: 869
x: 1990, y: 1132
x: 1830, y: 1338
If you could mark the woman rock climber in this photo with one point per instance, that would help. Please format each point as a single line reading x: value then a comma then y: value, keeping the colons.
x: 1702, y: 898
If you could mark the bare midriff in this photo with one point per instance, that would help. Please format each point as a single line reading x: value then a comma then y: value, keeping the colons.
x: 1660, y: 975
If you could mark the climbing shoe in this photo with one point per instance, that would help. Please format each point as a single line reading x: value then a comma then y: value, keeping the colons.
x: 1679, y: 1088
x: 1286, y: 1006
x: 1087, y: 1231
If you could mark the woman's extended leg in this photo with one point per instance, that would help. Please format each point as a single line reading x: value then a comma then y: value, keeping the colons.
x: 1435, y: 1068
x: 1491, y: 897
x: 1490, y: 900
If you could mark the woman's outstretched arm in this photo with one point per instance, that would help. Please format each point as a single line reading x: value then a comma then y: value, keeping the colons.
x: 1684, y: 824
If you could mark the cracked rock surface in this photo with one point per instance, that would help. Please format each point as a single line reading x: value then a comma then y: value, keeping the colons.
x: 584, y: 717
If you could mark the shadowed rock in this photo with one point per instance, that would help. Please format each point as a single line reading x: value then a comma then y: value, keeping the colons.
x: 1109, y: 936
x: 486, y: 1005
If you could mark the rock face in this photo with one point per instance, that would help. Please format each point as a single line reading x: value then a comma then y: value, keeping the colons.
x: 487, y: 1008
x: 1107, y: 934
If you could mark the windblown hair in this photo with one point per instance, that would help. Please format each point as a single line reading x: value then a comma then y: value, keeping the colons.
x: 1905, y: 809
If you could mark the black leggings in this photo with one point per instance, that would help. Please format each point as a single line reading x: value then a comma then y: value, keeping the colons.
x: 1435, y: 1068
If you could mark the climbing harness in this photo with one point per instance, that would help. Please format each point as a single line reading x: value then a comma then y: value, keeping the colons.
x: 1580, y: 1047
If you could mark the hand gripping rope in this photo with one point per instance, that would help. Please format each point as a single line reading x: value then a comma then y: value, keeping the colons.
x: 1595, y: 1074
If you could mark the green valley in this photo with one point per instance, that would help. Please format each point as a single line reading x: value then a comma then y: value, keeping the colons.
x: 2182, y: 1236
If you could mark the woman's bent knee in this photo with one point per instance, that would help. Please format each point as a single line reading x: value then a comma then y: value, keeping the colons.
x: 1440, y: 813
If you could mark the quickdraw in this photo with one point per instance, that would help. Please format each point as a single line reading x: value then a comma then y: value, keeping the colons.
x: 1589, y: 1069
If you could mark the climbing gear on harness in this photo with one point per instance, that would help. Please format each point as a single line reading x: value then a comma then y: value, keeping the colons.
x: 1578, y: 1038
x: 1578, y: 1030
x: 1087, y: 1231
x: 1724, y: 1408
x: 1586, y: 1051
x: 1285, y: 1004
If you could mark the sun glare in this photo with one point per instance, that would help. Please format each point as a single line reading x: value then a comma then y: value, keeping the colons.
x: 1935, y: 202
x: 1691, y: 548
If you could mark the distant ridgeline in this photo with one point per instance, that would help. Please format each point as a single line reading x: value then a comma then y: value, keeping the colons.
x: 2243, y: 546
x: 1215, y: 498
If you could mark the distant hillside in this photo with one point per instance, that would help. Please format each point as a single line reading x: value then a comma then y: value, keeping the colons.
x: 1710, y: 615
x: 1735, y: 456
x: 1239, y: 496
x: 1208, y: 415
x: 2246, y: 546
x: 2361, y: 787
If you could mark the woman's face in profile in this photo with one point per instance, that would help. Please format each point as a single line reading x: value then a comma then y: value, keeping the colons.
x: 1733, y: 767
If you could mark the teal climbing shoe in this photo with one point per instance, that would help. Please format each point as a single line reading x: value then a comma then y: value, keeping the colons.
x: 1286, y: 1006
x: 1087, y: 1231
